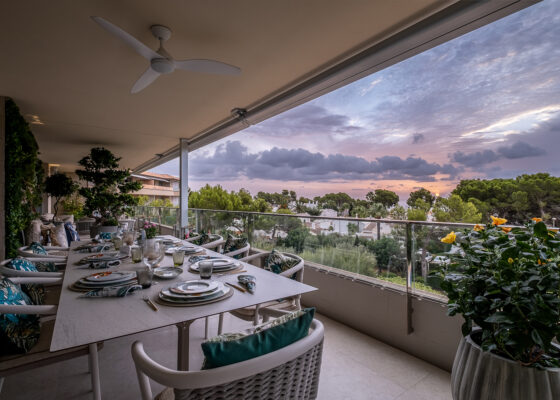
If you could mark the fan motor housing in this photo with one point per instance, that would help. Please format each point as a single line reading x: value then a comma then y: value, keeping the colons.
x: 162, y: 65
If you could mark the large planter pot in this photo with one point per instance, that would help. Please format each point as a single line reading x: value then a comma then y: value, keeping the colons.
x: 481, y: 375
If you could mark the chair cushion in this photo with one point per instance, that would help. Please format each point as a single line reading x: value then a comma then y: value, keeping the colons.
x: 37, y: 248
x: 234, y: 243
x: 277, y: 262
x: 34, y: 291
x: 58, y: 236
x: 18, y: 332
x: 71, y: 233
x: 231, y: 348
x: 203, y: 239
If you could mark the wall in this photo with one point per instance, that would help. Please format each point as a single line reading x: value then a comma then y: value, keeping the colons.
x: 2, y: 180
x: 382, y: 314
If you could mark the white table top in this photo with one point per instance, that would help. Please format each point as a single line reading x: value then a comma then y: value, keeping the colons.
x: 81, y: 321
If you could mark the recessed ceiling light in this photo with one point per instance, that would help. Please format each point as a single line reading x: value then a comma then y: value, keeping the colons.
x: 34, y: 119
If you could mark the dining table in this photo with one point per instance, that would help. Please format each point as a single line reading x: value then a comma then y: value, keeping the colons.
x: 88, y: 321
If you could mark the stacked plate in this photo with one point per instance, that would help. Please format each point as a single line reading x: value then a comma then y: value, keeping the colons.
x: 168, y: 241
x: 194, y: 292
x: 188, y: 249
x: 220, y: 264
x: 103, y: 257
x: 104, y: 279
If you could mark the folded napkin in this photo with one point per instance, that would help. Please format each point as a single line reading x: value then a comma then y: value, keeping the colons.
x: 248, y: 281
x: 112, y: 291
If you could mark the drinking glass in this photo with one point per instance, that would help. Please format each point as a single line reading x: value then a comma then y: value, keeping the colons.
x: 145, y: 276
x: 128, y: 237
x: 136, y: 254
x: 153, y: 252
x: 118, y: 242
x: 178, y: 257
x: 205, y: 269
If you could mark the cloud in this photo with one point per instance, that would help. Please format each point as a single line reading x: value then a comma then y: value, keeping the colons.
x: 233, y: 160
x: 477, y: 159
x: 520, y: 150
x: 417, y: 138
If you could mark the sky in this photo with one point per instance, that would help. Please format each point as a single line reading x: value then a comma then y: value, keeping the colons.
x: 484, y: 105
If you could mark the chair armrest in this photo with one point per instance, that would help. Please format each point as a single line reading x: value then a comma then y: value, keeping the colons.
x: 12, y: 273
x: 271, y: 312
x: 52, y: 281
x: 21, y: 309
x: 254, y: 257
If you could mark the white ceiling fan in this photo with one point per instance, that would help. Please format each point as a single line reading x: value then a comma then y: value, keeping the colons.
x: 161, y: 61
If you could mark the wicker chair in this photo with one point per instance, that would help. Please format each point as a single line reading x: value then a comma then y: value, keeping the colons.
x: 40, y: 354
x: 216, y: 242
x: 53, y: 252
x: 9, y: 272
x: 287, y: 304
x: 289, y: 373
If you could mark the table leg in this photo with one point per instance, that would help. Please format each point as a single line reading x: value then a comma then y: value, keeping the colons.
x: 183, y: 345
x: 94, y: 371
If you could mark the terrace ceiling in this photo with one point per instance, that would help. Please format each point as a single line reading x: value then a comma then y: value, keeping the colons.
x: 75, y: 78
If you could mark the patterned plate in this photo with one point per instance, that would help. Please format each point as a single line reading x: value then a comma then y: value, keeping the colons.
x: 195, y: 287
x: 110, y: 276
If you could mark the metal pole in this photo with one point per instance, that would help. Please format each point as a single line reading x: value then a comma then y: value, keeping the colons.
x: 409, y: 309
x: 184, y: 186
x: 378, y: 230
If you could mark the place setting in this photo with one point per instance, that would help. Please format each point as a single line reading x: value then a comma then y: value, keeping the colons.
x: 102, y: 260
x: 100, y: 281
x: 193, y: 293
x: 217, y: 265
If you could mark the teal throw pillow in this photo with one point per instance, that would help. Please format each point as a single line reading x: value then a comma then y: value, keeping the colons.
x: 37, y: 248
x: 21, y: 264
x: 231, y: 348
x: 277, y: 262
x: 18, y: 332
x: 34, y: 291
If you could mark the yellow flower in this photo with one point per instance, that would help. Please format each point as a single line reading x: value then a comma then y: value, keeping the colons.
x: 510, y: 260
x: 498, y: 221
x: 539, y: 261
x: 478, y: 228
x: 450, y: 238
x: 506, y: 230
x: 537, y: 219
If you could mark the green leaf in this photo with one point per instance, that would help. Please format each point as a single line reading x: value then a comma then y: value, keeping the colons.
x: 540, y: 230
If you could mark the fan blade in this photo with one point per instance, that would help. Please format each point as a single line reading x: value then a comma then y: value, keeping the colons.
x: 208, y: 67
x: 147, y: 77
x: 137, y: 45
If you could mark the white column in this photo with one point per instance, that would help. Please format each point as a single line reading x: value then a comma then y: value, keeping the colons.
x: 184, y: 184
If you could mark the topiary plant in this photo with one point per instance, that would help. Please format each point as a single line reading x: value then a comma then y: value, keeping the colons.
x: 507, y: 282
x: 109, y: 196
x: 59, y: 186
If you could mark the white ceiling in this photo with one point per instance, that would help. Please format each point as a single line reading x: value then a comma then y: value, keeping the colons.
x: 58, y: 65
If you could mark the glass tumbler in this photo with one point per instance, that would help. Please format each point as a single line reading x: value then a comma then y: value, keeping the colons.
x: 178, y: 257
x: 136, y: 254
x: 205, y: 269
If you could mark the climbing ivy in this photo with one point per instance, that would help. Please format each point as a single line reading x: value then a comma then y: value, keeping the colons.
x: 24, y: 177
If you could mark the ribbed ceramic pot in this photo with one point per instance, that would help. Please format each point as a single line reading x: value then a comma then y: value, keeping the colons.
x: 481, y: 375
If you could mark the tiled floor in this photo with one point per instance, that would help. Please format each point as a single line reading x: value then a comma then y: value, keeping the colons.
x: 355, y: 366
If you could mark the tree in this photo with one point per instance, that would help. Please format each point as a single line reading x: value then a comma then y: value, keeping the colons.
x: 397, y: 212
x: 454, y: 209
x: 110, y: 194
x: 335, y: 201
x: 162, y: 203
x: 416, y: 214
x: 59, y: 186
x: 385, y: 197
x: 385, y: 249
x: 352, y: 228
x: 423, y: 194
x: 296, y: 238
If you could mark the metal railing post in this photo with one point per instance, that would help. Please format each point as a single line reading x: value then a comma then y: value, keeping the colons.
x: 409, y: 309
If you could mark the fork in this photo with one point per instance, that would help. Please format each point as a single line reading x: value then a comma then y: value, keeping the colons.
x: 150, y: 303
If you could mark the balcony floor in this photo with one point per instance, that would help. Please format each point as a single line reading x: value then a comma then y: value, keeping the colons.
x: 355, y: 366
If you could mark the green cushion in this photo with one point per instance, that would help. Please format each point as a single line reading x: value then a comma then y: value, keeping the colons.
x: 277, y: 262
x: 18, y: 332
x: 234, y: 243
x: 34, y: 291
x: 231, y: 348
x: 37, y: 248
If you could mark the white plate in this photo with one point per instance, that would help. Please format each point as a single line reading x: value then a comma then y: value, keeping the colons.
x: 110, y: 276
x: 194, y: 287
x: 188, y: 250
x: 220, y: 264
x: 166, y: 295
x: 167, y: 272
x: 83, y: 282
x: 111, y: 256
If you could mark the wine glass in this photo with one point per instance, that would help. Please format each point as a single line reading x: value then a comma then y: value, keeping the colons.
x: 153, y: 252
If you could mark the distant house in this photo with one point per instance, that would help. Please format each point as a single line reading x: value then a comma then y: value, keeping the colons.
x: 158, y: 186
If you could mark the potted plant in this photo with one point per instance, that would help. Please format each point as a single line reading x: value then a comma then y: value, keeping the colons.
x: 59, y: 186
x: 506, y: 285
x: 109, y: 196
